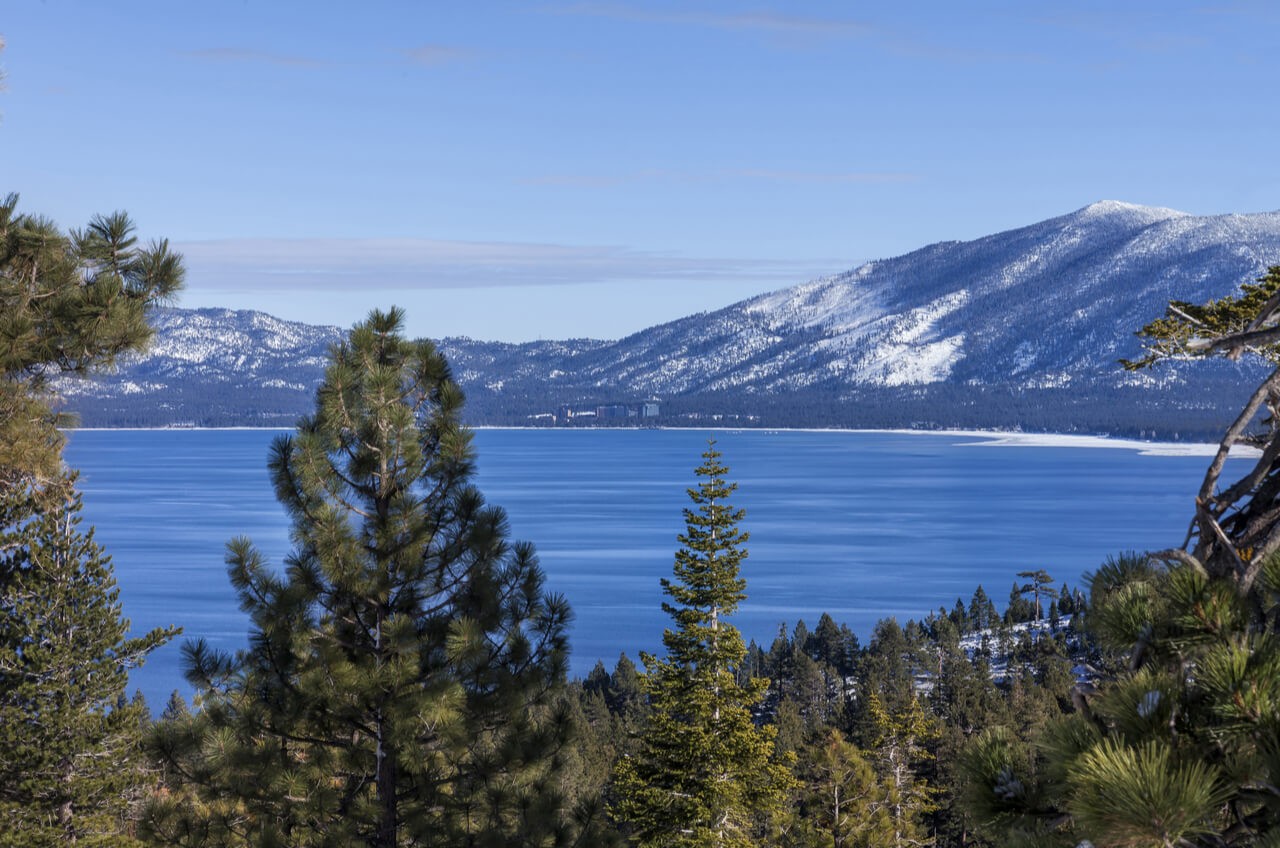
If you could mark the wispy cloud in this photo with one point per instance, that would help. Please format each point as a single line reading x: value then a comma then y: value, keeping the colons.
x: 433, y: 54
x: 785, y: 176
x: 764, y: 22
x: 798, y: 31
x: 1146, y: 31
x: 303, y: 265
x: 240, y: 54
x: 725, y: 175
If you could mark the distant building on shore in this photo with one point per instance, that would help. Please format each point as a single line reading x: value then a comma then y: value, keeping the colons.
x: 611, y: 413
x: 614, y: 411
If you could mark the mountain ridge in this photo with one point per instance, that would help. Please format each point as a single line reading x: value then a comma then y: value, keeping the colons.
x: 1036, y: 314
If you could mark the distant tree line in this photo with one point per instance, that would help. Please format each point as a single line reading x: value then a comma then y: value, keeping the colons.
x: 1196, y: 411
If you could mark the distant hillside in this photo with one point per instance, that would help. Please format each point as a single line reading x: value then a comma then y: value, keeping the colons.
x: 1018, y: 329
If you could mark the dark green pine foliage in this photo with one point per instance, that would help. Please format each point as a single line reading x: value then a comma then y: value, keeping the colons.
x: 704, y: 773
x: 71, y: 767
x: 1233, y: 529
x: 1181, y: 746
x: 69, y: 302
x: 1039, y: 585
x: 404, y: 676
x: 1193, y: 330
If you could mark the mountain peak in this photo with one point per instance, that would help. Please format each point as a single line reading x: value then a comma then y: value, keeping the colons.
x: 1128, y: 212
x: 1020, y: 328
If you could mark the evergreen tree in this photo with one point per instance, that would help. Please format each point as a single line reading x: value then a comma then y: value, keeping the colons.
x: 625, y: 694
x: 403, y: 680
x: 71, y: 768
x: 1182, y: 746
x: 1039, y: 584
x: 835, y: 645
x: 886, y: 672
x: 1232, y: 528
x: 841, y: 801
x: 68, y: 303
x: 704, y: 775
x: 982, y: 610
x: 1019, y: 609
x: 900, y: 750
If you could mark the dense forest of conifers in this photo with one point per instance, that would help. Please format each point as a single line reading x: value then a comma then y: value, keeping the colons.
x: 405, y: 676
x: 1198, y: 411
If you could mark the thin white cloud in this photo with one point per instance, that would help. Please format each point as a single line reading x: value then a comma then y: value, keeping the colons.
x: 791, y: 31
x: 766, y: 22
x: 317, y: 265
x: 433, y: 54
x: 776, y: 175
x: 240, y: 54
x: 786, y: 176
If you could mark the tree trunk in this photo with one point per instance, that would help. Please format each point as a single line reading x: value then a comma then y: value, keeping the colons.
x: 66, y: 809
x: 386, y: 787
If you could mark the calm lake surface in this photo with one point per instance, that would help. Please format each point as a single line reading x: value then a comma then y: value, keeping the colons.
x: 860, y: 525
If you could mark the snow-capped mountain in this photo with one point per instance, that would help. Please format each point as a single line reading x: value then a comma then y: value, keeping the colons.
x: 1038, y: 314
x: 1045, y: 305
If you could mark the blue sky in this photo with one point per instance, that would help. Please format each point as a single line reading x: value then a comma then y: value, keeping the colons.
x: 550, y: 170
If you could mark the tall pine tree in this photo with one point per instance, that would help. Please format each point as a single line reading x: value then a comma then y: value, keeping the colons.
x: 71, y: 770
x: 704, y: 773
x: 403, y: 677
x: 69, y: 302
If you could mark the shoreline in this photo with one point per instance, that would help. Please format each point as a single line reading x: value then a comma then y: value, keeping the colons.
x: 984, y: 438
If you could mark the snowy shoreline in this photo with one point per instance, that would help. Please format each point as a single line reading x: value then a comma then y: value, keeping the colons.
x: 982, y: 438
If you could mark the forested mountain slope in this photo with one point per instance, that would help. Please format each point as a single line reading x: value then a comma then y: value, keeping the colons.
x: 1018, y: 329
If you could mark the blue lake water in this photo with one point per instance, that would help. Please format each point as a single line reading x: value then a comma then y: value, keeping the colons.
x: 860, y: 525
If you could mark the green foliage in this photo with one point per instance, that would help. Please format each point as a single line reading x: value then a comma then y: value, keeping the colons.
x: 901, y: 751
x: 841, y: 801
x: 1039, y: 584
x: 404, y: 679
x: 69, y: 302
x: 1143, y: 797
x: 1125, y: 594
x: 71, y: 769
x: 887, y: 672
x: 703, y: 774
x: 999, y: 790
x: 1180, y: 748
x: 1181, y: 333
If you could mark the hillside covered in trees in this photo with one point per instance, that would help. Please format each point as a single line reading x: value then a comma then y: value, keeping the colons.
x: 405, y: 680
x: 1021, y: 329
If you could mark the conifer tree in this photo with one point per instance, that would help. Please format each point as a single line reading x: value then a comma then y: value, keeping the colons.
x: 886, y: 672
x: 704, y: 775
x: 899, y: 750
x: 71, y: 769
x: 982, y: 610
x: 841, y: 801
x: 69, y: 302
x: 402, y: 685
x: 1039, y: 584
x: 1181, y: 747
x: 1232, y: 528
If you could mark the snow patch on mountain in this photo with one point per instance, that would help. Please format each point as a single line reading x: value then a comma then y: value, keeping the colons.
x: 1050, y: 305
